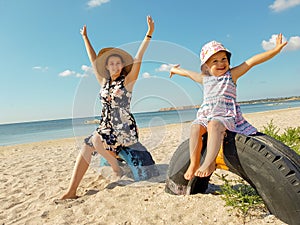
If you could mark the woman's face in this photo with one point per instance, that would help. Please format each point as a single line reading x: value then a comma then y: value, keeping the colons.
x: 114, y: 66
x: 218, y: 64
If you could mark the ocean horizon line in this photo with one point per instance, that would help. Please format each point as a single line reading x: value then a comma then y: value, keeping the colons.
x: 165, y: 109
x: 18, y: 133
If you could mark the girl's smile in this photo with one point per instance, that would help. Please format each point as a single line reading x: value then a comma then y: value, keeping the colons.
x: 218, y: 64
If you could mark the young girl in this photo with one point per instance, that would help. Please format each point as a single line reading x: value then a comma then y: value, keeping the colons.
x: 219, y: 111
x: 116, y: 72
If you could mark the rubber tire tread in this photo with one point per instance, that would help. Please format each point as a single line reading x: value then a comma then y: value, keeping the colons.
x: 179, y: 164
x: 272, y: 168
x: 268, y: 165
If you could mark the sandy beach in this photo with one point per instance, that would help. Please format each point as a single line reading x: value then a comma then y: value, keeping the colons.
x: 35, y: 175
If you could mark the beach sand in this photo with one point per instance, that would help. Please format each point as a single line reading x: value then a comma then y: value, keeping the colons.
x: 34, y: 175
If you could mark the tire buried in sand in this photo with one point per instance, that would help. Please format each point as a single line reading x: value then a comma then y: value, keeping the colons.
x: 269, y: 166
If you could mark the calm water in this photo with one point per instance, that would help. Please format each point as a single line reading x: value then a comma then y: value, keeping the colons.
x: 64, y: 128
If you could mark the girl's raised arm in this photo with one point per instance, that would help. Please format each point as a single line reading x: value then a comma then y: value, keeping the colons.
x: 133, y: 75
x: 198, y: 77
x: 91, y: 54
x: 257, y: 59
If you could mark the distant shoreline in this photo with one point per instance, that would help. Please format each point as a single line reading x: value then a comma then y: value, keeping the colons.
x: 265, y: 100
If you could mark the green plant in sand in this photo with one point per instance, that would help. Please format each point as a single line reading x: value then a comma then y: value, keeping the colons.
x: 238, y: 193
x: 240, y: 196
x: 290, y: 136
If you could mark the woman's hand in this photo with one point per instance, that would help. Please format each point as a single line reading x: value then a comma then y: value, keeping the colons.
x: 83, y: 31
x: 150, y: 23
x: 174, y: 70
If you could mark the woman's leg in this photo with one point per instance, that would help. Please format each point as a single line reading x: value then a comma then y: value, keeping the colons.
x: 195, y: 145
x: 82, y: 163
x: 216, y: 131
x: 111, y: 158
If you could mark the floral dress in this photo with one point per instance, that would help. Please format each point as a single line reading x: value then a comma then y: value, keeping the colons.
x: 220, y: 104
x: 117, y: 126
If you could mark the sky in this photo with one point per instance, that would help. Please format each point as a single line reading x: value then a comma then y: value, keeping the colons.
x: 45, y: 72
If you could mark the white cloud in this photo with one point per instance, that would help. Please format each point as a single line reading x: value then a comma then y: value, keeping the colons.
x: 96, y: 3
x: 146, y: 75
x: 81, y: 75
x: 293, y: 43
x: 67, y: 73
x: 165, y: 67
x: 86, y: 72
x: 281, y: 5
x: 43, y: 69
x: 87, y: 69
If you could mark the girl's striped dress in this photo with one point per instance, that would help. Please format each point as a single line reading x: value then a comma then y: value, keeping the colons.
x: 220, y: 104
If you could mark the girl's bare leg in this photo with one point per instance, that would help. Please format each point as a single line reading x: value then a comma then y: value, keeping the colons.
x: 82, y: 163
x: 216, y: 131
x: 195, y: 146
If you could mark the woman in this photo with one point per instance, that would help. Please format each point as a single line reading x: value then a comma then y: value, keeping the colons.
x: 116, y: 72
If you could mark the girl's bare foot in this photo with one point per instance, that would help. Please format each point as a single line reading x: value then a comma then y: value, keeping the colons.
x: 205, y: 172
x: 189, y: 174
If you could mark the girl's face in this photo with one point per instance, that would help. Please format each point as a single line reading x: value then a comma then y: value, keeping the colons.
x: 114, y: 66
x: 217, y: 64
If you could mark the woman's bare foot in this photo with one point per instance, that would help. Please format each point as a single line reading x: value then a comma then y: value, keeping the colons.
x: 205, y: 172
x: 189, y: 174
x: 113, y: 177
x: 117, y: 170
x: 69, y: 195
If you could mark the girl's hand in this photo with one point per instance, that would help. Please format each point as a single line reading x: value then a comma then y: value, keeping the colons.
x: 150, y: 23
x: 279, y: 43
x: 173, y: 70
x: 83, y: 31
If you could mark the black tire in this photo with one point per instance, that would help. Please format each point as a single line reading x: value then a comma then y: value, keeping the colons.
x: 266, y: 164
x: 273, y: 170
x: 176, y: 183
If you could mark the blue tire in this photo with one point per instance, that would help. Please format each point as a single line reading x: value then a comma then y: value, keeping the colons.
x: 139, y: 160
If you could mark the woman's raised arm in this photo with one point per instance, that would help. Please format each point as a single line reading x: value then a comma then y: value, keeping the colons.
x: 133, y: 75
x: 91, y: 54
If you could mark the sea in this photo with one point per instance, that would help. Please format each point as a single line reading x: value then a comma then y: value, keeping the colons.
x: 19, y: 133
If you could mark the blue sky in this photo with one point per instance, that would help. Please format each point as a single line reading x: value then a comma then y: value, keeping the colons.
x: 45, y: 72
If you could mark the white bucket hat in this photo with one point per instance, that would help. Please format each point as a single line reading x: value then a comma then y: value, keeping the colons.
x: 212, y: 48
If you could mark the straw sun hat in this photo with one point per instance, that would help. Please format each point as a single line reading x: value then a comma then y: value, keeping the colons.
x: 103, y: 55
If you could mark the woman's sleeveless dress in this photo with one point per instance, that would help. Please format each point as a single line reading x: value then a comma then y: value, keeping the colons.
x: 220, y: 104
x: 117, y: 126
